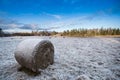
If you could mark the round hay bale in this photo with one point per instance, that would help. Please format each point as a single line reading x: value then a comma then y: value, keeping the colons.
x: 35, y: 54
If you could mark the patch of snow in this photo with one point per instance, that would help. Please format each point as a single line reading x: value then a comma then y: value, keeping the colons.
x: 93, y: 58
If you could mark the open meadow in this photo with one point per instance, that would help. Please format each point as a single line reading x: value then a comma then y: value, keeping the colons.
x: 95, y: 58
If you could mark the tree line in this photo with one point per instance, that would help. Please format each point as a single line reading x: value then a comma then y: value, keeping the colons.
x: 91, y: 32
x: 33, y: 33
x: 36, y: 33
x: 73, y: 32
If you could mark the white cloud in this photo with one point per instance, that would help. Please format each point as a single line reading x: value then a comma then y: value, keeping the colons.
x: 9, y: 26
x: 57, y: 16
x: 30, y: 26
x: 82, y: 21
x: 53, y: 15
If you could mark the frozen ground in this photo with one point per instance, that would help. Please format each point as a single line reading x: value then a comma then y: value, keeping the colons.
x: 95, y: 58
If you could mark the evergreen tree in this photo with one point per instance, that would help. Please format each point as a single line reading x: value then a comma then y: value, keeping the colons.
x: 1, y: 32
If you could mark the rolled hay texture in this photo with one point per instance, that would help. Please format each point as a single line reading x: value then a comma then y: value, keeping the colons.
x: 35, y: 54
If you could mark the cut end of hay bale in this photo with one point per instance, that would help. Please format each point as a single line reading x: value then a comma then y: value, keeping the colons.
x: 35, y: 54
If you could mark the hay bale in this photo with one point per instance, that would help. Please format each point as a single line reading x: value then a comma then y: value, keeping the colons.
x: 35, y: 54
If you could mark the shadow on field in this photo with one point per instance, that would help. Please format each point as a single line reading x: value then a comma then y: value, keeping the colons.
x: 28, y: 71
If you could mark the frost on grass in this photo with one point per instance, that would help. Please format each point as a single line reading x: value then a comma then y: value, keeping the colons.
x: 75, y: 58
x: 35, y: 54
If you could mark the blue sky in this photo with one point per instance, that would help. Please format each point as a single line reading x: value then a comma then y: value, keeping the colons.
x: 58, y: 15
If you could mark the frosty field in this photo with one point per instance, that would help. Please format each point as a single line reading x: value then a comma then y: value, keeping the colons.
x: 95, y: 58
